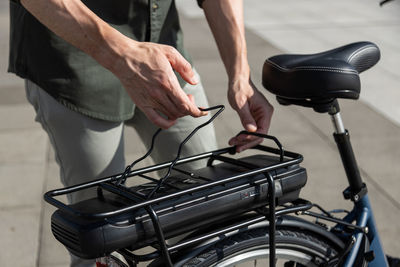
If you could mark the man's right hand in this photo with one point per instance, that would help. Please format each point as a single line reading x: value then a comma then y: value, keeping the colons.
x: 145, y: 69
x: 147, y: 72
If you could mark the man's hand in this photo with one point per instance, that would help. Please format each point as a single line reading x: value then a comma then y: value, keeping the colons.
x: 225, y: 18
x: 254, y: 110
x: 146, y: 71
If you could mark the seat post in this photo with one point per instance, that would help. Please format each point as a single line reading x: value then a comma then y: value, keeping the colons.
x: 357, y: 188
x: 338, y: 123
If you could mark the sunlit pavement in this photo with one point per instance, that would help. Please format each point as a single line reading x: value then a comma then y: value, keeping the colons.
x: 28, y: 168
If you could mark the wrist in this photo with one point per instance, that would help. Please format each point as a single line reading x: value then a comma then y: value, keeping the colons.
x: 238, y: 77
x: 239, y: 70
x: 110, y: 52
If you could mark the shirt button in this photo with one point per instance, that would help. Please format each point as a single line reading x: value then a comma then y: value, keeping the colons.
x: 155, y: 6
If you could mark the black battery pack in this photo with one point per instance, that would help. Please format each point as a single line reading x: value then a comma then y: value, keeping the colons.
x: 91, y: 237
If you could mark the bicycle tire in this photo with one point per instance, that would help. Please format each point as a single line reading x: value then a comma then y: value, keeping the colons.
x: 294, y: 247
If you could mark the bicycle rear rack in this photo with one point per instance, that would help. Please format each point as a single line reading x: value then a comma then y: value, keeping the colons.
x: 115, y: 185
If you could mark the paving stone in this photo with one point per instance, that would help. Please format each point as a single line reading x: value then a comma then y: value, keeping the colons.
x: 19, y: 237
x: 21, y: 185
x: 7, y: 79
x: 23, y: 116
x: 23, y: 146
x: 53, y: 176
x: 13, y: 94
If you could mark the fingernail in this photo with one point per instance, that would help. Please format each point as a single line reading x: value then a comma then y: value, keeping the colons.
x: 195, y: 80
x: 251, y: 127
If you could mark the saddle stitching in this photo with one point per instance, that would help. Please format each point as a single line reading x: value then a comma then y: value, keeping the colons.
x: 308, y: 68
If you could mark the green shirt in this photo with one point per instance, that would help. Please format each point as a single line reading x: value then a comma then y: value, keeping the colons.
x: 72, y: 77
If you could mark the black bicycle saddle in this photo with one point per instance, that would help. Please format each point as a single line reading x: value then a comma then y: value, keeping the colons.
x: 321, y: 77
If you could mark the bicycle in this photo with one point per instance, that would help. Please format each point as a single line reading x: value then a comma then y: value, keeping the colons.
x: 239, y: 209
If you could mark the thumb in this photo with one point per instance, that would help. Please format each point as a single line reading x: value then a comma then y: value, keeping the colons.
x: 247, y: 119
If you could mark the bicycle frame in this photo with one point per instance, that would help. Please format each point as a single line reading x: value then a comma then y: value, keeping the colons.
x: 362, y: 213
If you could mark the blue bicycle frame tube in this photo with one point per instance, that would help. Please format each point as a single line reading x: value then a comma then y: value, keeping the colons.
x: 364, y: 215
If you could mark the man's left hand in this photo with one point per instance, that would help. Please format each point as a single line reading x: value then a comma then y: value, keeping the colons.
x: 254, y: 110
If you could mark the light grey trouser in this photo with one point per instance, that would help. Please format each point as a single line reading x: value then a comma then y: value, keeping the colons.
x: 88, y: 149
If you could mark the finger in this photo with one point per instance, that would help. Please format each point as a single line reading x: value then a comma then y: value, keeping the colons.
x: 264, y: 115
x: 181, y: 65
x: 157, y: 119
x: 191, y: 98
x: 170, y: 107
x: 159, y: 100
x: 166, y: 108
x: 264, y: 123
x: 182, y: 101
x: 238, y: 142
x: 242, y: 147
x: 172, y: 100
x: 232, y: 141
x: 245, y: 143
x: 240, y: 139
x: 247, y: 119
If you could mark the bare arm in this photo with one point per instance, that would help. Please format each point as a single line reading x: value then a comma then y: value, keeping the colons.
x: 225, y: 18
x: 145, y: 69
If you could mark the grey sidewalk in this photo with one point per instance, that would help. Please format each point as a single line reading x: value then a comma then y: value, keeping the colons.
x: 28, y: 169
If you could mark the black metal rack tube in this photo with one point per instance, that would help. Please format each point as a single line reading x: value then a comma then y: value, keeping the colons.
x: 111, y: 178
x: 271, y: 219
x: 160, y: 235
x: 126, y: 193
x: 49, y: 196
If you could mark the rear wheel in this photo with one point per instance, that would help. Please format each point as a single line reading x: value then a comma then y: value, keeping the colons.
x: 294, y: 247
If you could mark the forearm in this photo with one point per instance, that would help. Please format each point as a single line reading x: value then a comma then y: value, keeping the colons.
x: 78, y: 25
x: 146, y: 70
x: 225, y: 18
